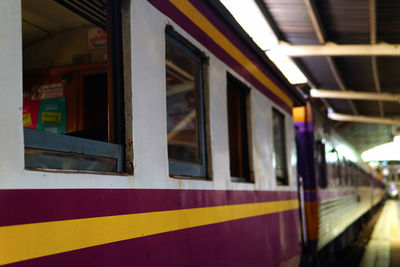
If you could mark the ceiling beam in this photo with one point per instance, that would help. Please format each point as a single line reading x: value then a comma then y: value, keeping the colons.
x: 332, y: 49
x: 363, y: 119
x: 315, y: 20
x: 340, y: 82
x: 372, y: 96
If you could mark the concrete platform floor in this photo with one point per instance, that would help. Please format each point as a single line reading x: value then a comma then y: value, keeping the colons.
x: 383, y: 248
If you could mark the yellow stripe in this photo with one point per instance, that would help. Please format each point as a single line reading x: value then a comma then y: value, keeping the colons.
x: 22, y: 242
x: 299, y: 114
x: 206, y: 26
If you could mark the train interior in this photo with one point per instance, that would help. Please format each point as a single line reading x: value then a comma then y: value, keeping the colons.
x: 65, y: 78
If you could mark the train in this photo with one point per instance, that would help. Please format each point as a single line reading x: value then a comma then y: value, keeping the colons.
x: 156, y: 133
x: 340, y: 192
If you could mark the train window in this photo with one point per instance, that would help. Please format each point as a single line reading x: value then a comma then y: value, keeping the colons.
x: 337, y: 170
x: 237, y: 96
x: 344, y: 172
x: 278, y: 120
x: 185, y: 107
x: 320, y: 164
x: 340, y: 172
x: 351, y: 175
x: 73, y: 113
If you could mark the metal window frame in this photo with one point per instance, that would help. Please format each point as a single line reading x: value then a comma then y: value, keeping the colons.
x: 70, y: 144
x: 246, y: 129
x: 177, y: 168
x: 321, y: 167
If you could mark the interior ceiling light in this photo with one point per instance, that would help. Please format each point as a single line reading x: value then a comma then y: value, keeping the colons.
x: 249, y: 16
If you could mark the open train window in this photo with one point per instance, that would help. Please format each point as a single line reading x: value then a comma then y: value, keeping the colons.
x: 73, y: 111
x: 278, y: 120
x: 185, y: 107
x: 237, y: 95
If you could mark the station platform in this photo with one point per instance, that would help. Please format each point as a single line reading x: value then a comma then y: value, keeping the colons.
x: 383, y: 248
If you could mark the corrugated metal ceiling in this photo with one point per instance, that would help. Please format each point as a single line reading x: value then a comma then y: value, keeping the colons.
x: 344, y: 22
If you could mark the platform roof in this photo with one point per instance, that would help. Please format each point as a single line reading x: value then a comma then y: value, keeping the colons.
x: 343, y: 45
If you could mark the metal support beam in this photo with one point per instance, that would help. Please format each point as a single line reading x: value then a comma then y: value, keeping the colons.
x: 372, y: 32
x: 332, y: 49
x: 372, y: 21
x: 377, y: 83
x: 340, y: 82
x: 320, y: 93
x: 315, y: 20
x: 319, y: 31
x: 363, y: 119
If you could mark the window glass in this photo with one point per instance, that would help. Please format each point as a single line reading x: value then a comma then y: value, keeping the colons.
x: 238, y: 136
x: 72, y: 88
x: 279, y: 147
x: 185, y: 123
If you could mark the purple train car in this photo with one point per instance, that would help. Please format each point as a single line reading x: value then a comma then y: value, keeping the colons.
x: 339, y: 190
x: 154, y: 133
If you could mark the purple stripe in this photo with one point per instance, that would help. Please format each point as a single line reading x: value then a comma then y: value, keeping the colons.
x: 40, y: 205
x: 304, y: 126
x: 326, y: 195
x: 179, y: 18
x: 238, y: 42
x: 270, y: 240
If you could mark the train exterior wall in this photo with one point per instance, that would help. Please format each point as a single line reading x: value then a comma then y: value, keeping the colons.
x: 150, y: 218
x: 333, y: 209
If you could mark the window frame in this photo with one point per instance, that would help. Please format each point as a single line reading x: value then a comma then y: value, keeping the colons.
x: 114, y: 147
x: 184, y: 169
x: 320, y: 164
x: 246, y: 148
x: 42, y: 140
x: 285, y: 178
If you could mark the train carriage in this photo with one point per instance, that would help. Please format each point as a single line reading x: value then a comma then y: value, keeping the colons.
x: 154, y: 133
x: 339, y: 190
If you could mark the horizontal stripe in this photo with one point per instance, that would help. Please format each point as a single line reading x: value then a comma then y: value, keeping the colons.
x: 22, y: 206
x: 299, y: 114
x: 216, y: 17
x: 311, y: 196
x: 274, y: 240
x: 183, y: 21
x: 304, y: 127
x: 205, y: 25
x: 27, y: 241
x: 328, y: 231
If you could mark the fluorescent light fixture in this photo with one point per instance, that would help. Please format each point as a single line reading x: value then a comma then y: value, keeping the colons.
x: 287, y: 67
x: 249, y: 16
x: 385, y: 152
